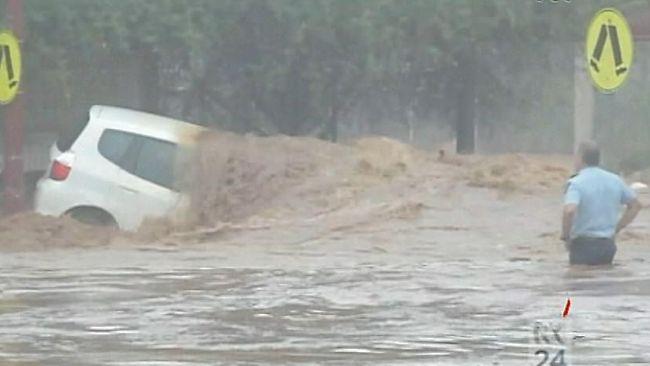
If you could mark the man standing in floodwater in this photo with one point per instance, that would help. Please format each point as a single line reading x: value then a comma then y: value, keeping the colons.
x: 592, y: 206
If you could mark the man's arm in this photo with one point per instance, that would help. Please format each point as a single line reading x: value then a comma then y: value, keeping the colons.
x: 568, y: 214
x: 631, y: 210
x: 571, y: 202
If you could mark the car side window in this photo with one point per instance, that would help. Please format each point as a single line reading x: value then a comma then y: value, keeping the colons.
x: 114, y: 145
x: 156, y: 161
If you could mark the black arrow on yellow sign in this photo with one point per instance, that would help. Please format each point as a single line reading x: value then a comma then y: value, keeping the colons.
x: 608, y: 31
x: 4, y: 51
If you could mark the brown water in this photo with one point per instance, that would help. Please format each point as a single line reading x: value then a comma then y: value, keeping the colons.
x: 363, y: 254
x: 452, y: 286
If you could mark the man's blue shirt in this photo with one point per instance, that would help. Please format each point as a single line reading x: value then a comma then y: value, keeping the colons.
x: 599, y: 195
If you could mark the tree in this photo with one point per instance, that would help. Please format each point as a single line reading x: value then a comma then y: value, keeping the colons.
x: 293, y: 66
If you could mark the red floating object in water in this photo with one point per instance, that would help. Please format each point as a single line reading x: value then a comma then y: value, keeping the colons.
x: 567, y: 306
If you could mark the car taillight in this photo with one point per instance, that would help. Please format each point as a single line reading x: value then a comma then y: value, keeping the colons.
x: 61, y: 166
x: 59, y: 171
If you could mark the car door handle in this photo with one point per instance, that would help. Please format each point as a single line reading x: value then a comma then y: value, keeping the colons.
x: 131, y: 190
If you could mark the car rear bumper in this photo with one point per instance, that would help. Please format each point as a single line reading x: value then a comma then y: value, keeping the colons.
x: 50, y: 198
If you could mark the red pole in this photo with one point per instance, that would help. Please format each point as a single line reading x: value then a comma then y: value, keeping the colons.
x: 13, y: 130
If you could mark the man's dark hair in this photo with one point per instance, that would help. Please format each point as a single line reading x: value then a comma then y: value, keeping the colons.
x: 590, y: 153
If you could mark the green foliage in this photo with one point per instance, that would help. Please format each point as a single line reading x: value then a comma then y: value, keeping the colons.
x: 295, y: 66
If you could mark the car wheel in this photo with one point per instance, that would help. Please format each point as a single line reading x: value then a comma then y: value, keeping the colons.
x: 92, y: 216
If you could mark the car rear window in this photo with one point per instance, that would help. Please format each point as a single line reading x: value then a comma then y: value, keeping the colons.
x: 69, y: 134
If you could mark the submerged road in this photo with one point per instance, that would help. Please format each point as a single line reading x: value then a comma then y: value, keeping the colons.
x: 445, y: 289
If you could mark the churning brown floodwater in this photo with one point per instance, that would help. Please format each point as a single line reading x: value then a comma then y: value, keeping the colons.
x: 404, y: 264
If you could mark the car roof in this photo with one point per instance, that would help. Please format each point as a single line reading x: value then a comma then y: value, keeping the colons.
x: 145, y: 123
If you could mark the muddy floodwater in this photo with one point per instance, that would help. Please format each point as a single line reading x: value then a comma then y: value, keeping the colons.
x: 460, y: 284
x: 310, y: 253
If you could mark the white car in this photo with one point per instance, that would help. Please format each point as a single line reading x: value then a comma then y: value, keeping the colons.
x: 118, y: 168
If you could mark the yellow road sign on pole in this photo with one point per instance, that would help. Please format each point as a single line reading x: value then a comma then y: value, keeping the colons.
x: 609, y: 49
x: 10, y: 66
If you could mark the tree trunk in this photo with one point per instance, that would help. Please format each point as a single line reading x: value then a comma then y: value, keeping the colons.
x: 465, y: 128
x: 333, y: 125
x: 410, y: 122
x: 148, y: 72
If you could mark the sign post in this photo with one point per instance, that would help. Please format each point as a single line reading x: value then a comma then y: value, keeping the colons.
x: 10, y: 77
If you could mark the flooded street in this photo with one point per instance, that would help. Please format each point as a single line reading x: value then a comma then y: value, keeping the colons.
x: 449, y: 287
x: 324, y: 182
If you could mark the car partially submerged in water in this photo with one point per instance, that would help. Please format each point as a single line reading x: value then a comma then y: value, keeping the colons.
x: 119, y: 167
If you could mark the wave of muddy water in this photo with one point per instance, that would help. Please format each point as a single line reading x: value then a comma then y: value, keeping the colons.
x: 418, y: 271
